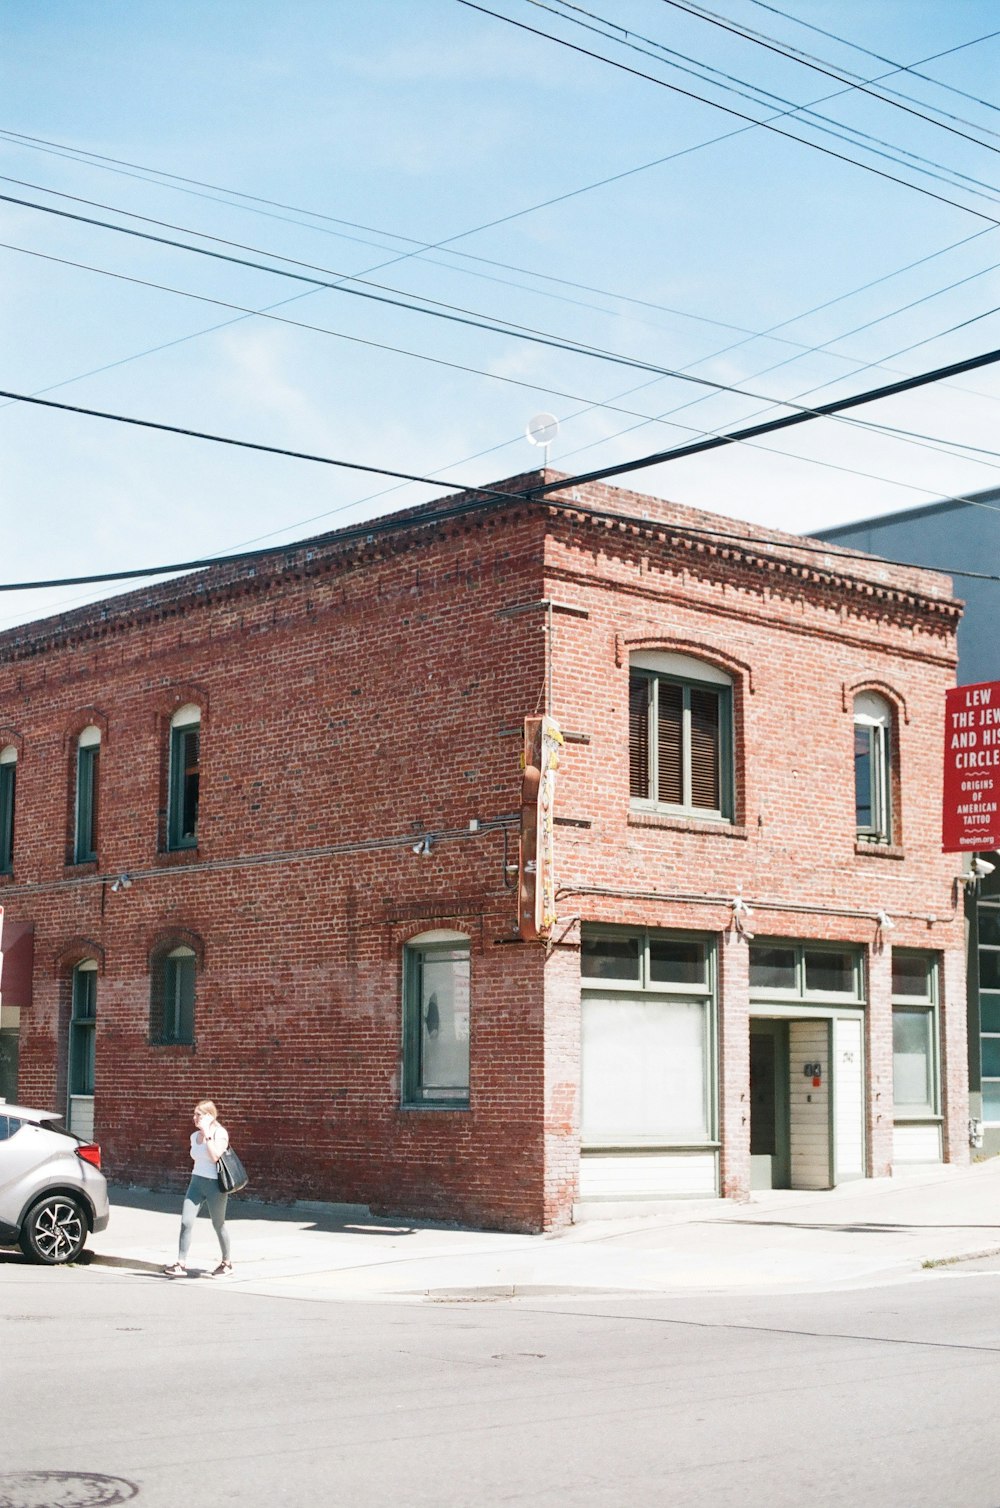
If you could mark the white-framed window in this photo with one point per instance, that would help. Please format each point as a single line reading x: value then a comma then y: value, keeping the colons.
x: 648, y: 1039
x: 8, y: 788
x: 172, y: 997
x: 872, y: 768
x: 436, y: 1020
x: 680, y: 736
x: 87, y: 802
x: 915, y: 1051
x: 184, y: 777
x: 988, y: 924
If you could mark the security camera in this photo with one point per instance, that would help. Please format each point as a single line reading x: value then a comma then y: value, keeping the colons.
x: 981, y: 867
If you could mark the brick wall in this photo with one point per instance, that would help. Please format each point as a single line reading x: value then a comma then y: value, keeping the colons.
x: 356, y: 695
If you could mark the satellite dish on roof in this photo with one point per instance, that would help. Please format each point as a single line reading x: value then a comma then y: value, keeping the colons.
x: 541, y: 430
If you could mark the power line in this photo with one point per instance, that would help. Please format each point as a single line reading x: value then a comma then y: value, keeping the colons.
x: 198, y: 434
x: 786, y: 421
x: 897, y: 66
x: 297, y: 324
x: 758, y: 95
x: 772, y: 45
x: 543, y: 338
x: 565, y: 484
x: 487, y: 498
x: 728, y: 110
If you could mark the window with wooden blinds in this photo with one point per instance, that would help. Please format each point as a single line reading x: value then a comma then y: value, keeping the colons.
x: 638, y: 735
x: 680, y: 744
x: 670, y: 744
x: 705, y: 772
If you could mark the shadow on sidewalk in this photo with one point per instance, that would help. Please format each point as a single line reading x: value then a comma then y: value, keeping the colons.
x: 330, y: 1219
x: 863, y: 1227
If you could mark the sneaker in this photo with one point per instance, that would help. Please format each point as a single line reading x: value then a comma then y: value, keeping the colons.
x: 224, y: 1270
x: 175, y: 1270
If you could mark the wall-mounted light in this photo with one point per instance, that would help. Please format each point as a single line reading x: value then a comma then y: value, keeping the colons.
x: 422, y: 848
x: 123, y: 882
x: 884, y: 921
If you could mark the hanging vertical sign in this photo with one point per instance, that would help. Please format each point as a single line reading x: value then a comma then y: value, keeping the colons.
x: 536, y: 889
x: 971, y: 807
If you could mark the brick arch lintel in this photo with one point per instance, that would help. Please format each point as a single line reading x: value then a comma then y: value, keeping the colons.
x: 85, y: 717
x: 698, y: 649
x: 165, y: 939
x: 11, y: 739
x: 77, y: 950
x: 178, y: 694
x: 851, y: 689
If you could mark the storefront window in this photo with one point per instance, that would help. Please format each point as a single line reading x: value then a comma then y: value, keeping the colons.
x: 914, y: 1034
x: 648, y: 1040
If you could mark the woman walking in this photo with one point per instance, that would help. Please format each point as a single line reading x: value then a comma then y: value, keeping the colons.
x: 208, y: 1143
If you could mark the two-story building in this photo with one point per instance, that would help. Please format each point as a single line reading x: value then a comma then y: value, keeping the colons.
x: 261, y: 824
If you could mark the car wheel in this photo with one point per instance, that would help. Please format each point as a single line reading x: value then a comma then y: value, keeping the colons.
x: 54, y: 1230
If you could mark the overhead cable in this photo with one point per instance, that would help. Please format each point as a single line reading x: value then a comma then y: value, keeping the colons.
x: 484, y: 495
x: 766, y: 125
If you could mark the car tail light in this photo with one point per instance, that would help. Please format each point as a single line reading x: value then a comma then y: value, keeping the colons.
x: 90, y: 1152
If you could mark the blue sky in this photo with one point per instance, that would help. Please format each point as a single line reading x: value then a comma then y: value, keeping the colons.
x: 377, y: 130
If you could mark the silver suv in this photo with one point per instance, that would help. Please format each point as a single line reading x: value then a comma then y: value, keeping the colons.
x: 52, y: 1190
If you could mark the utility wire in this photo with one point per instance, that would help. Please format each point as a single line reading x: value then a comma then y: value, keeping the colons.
x: 758, y: 95
x: 542, y: 338
x: 702, y: 382
x: 78, y: 155
x: 772, y: 45
x: 431, y: 516
x: 913, y: 68
x: 765, y: 125
x: 786, y: 421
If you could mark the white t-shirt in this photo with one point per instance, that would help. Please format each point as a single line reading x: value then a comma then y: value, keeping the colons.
x: 204, y: 1164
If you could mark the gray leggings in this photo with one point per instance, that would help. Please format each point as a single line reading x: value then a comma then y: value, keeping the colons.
x: 204, y: 1191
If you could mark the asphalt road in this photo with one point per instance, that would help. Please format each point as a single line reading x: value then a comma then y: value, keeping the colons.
x: 117, y: 1386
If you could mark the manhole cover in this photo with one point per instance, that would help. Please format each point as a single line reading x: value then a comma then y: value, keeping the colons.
x: 63, y: 1489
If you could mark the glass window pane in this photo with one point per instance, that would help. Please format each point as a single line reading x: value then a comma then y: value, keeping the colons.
x: 706, y: 789
x: 644, y: 1070
x: 863, y: 776
x: 638, y: 736
x: 991, y: 1057
x: 772, y: 968
x: 989, y: 925
x: 911, y: 974
x: 83, y: 1041
x: 444, y: 1024
x: 991, y: 1101
x: 830, y: 972
x: 912, y: 1047
x: 610, y: 958
x: 989, y: 1012
x: 673, y: 962
x: 989, y: 969
x: 669, y: 743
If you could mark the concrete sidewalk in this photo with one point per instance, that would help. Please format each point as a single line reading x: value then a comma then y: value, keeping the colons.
x: 857, y: 1234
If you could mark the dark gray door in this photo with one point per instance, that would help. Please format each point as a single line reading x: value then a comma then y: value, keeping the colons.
x: 769, y: 1140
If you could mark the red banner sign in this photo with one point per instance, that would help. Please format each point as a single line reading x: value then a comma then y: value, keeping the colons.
x: 971, y: 811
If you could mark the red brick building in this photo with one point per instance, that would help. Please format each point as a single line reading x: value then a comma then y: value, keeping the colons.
x: 261, y: 823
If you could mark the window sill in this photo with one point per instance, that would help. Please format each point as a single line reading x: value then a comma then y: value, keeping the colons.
x: 168, y: 856
x: 718, y: 827
x: 84, y: 867
x: 879, y: 851
x: 927, y: 1119
x: 436, y: 1106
